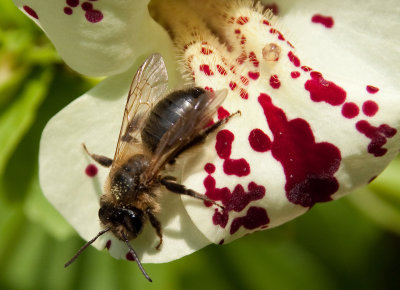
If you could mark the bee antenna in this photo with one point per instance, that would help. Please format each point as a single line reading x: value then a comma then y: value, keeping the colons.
x: 132, y: 251
x: 85, y: 246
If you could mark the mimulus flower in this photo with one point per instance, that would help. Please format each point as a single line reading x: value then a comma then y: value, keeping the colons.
x: 317, y: 90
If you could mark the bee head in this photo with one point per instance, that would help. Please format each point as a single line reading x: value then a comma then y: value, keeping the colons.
x: 123, y: 222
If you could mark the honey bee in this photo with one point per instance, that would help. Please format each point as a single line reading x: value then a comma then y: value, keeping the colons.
x: 155, y: 130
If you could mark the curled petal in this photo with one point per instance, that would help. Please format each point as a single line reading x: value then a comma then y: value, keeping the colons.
x: 99, y: 38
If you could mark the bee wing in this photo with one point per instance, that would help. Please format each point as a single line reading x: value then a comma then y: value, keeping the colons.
x: 185, y: 129
x: 148, y: 85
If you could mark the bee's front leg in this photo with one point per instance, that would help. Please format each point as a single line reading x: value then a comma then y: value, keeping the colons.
x: 156, y: 225
x: 102, y: 160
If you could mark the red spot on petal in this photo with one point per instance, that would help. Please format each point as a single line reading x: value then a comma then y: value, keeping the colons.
x: 68, y: 10
x: 253, y: 59
x: 242, y: 20
x: 241, y: 58
x: 222, y: 113
x: 326, y: 21
x: 209, y: 89
x: 238, y: 167
x: 206, y: 50
x: 295, y: 74
x: 254, y: 75
x: 274, y: 82
x: 309, y: 167
x: 322, y: 90
x: 244, y: 94
x: 86, y: 6
x: 209, y: 168
x: 254, y: 218
x: 94, y: 16
x: 108, y: 244
x: 221, y: 242
x: 232, y: 85
x: 30, y: 11
x: 223, y: 144
x: 237, y: 31
x: 266, y: 22
x: 129, y: 256
x: 72, y: 3
x: 259, y: 141
x: 221, y: 70
x: 244, y: 80
x: 370, y: 108
x: 350, y: 110
x: 274, y: 31
x: 306, y: 68
x: 378, y: 136
x: 91, y: 170
x: 205, y: 68
x: 294, y: 59
x: 372, y: 89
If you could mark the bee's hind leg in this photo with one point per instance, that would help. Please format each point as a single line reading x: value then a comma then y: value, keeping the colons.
x: 174, y: 187
x: 102, y: 160
x: 156, y: 225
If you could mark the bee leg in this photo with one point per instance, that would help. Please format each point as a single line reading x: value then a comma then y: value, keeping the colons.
x: 181, y: 189
x: 203, y: 135
x: 102, y: 160
x: 156, y: 225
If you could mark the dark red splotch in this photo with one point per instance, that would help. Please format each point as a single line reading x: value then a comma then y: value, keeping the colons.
x: 221, y: 242
x: 245, y: 80
x: 236, y: 200
x: 232, y: 85
x: 91, y: 170
x: 94, y: 16
x: 205, y: 68
x: 129, y: 256
x: 108, y: 244
x: 237, y: 31
x: 68, y: 10
x: 259, y: 141
x: 221, y: 70
x: 72, y: 3
x: 274, y: 82
x: 295, y: 74
x: 294, y: 59
x: 222, y: 113
x: 30, y: 11
x: 350, y: 110
x: 306, y: 68
x: 206, y: 50
x: 243, y: 40
x: 239, y: 167
x: 242, y: 20
x: 370, y: 108
x: 86, y: 6
x: 209, y: 89
x: 266, y: 22
x: 322, y: 90
x: 253, y: 59
x: 209, y: 168
x: 274, y: 31
x: 254, y: 75
x: 326, y: 21
x: 273, y: 6
x: 372, y: 89
x: 244, y: 94
x: 255, y: 217
x: 378, y: 136
x: 309, y: 166
x: 241, y: 58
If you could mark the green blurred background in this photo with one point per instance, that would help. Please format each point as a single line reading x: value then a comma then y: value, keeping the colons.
x: 352, y: 243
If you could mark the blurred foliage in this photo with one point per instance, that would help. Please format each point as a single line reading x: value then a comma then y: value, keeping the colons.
x: 352, y: 243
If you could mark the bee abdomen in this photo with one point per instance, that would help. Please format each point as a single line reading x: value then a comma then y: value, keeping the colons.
x: 166, y: 113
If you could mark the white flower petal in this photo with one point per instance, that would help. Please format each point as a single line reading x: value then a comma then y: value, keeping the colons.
x: 328, y: 133
x: 98, y: 38
x: 95, y: 119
